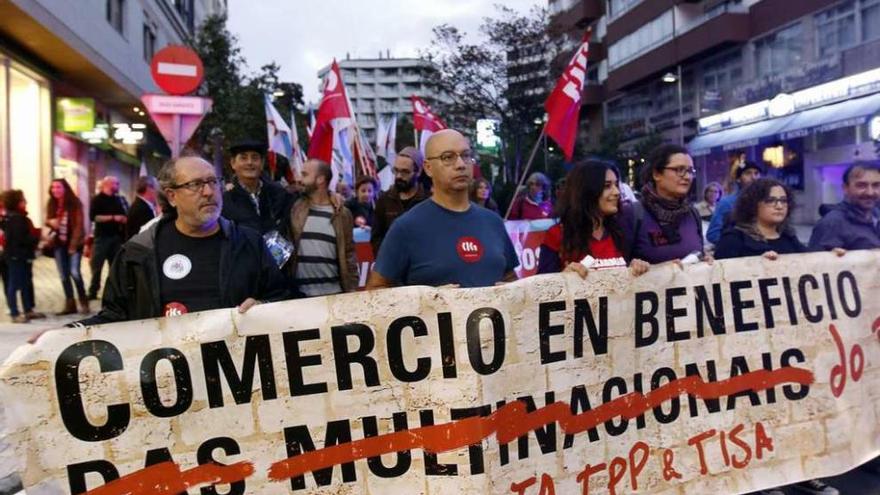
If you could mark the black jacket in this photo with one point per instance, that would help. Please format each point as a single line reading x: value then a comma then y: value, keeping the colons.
x: 20, y: 239
x: 735, y: 243
x: 275, y: 203
x: 388, y: 208
x: 132, y: 290
x: 139, y: 214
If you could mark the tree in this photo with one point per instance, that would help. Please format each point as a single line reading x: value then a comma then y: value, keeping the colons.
x: 238, y: 109
x: 480, y: 83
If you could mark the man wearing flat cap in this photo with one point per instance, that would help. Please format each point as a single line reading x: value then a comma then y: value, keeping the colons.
x: 254, y: 200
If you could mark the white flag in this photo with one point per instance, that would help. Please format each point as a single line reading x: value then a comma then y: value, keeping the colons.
x: 386, y: 137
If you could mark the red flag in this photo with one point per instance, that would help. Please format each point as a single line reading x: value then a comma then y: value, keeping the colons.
x: 423, y: 118
x: 563, y: 106
x: 333, y: 107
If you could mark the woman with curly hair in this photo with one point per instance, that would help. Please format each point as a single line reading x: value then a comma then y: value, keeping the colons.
x: 761, y: 227
x: 588, y: 226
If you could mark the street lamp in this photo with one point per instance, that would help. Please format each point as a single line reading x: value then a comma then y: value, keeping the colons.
x: 670, y: 78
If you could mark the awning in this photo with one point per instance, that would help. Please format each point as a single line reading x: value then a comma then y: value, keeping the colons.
x: 848, y: 113
x: 738, y: 137
x: 825, y: 118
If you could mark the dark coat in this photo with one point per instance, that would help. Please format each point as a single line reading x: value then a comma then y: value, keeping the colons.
x: 736, y: 243
x: 388, y: 208
x: 21, y: 239
x: 138, y: 215
x: 275, y: 203
x: 844, y: 227
x: 132, y: 291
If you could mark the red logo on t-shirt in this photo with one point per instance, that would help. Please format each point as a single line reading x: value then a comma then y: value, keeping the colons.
x: 469, y: 249
x: 175, y: 309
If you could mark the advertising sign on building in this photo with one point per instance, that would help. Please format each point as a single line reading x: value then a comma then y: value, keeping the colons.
x: 75, y: 114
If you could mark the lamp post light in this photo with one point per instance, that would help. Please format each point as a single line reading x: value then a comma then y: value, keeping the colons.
x: 670, y: 78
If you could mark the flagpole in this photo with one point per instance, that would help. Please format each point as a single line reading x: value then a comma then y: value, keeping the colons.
x: 416, y: 138
x: 526, y: 170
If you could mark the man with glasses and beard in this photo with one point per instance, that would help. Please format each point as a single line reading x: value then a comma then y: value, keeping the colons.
x: 447, y: 239
x: 403, y: 195
x: 192, y: 259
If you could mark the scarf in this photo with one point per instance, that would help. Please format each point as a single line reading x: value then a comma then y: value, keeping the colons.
x: 668, y: 213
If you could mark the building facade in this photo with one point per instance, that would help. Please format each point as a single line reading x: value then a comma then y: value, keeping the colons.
x: 380, y: 88
x: 790, y: 85
x: 71, y: 77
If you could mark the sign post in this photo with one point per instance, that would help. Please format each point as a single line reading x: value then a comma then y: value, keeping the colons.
x: 179, y: 71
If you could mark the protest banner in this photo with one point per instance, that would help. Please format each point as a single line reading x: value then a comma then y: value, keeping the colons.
x: 727, y: 378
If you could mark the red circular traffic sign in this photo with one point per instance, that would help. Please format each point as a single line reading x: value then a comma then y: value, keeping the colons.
x: 177, y: 69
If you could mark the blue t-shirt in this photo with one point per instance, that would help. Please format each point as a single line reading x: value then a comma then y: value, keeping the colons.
x: 430, y: 245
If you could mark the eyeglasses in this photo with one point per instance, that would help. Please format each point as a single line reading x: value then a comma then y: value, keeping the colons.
x: 197, y: 184
x: 450, y: 158
x: 682, y: 171
x: 774, y: 201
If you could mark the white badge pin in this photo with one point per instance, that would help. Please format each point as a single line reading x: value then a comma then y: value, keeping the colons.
x: 176, y: 266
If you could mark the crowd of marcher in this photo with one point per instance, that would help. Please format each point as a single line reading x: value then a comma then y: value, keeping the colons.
x: 192, y: 241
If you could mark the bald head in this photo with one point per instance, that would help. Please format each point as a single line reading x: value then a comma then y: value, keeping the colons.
x: 441, y: 139
x: 449, y: 162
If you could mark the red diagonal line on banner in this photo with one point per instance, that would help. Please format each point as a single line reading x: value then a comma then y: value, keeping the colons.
x: 166, y: 478
x: 507, y: 423
x: 513, y: 421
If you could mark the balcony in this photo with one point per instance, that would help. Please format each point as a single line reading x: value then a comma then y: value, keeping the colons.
x: 577, y: 15
x: 720, y: 31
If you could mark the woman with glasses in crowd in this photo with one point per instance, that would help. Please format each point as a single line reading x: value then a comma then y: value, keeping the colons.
x: 760, y: 223
x: 664, y: 226
x: 534, y: 202
x: 481, y: 194
x: 65, y: 221
x: 588, y: 227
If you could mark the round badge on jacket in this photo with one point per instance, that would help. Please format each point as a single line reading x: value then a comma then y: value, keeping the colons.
x: 175, y: 309
x: 469, y: 249
x: 176, y: 266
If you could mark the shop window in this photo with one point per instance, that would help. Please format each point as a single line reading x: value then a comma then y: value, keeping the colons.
x: 116, y: 15
x: 779, y: 51
x: 836, y: 28
x: 870, y: 19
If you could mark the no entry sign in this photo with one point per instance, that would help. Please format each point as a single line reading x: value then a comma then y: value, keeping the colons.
x: 177, y: 70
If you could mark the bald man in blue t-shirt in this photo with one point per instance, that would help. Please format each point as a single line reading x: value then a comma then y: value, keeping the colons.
x: 447, y: 240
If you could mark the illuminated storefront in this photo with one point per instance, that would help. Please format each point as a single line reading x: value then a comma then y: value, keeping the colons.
x: 806, y: 138
x: 25, y: 133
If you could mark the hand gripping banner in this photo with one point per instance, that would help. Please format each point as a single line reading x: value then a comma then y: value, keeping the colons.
x: 727, y: 378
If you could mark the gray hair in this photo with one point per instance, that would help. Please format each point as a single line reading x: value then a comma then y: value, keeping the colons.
x: 144, y: 182
x: 168, y: 173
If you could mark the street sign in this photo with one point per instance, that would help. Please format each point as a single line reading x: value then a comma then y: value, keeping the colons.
x: 177, y: 69
x: 177, y: 117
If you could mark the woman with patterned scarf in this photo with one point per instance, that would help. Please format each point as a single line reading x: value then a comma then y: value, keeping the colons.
x: 665, y: 226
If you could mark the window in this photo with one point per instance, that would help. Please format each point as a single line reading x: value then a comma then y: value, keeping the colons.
x: 116, y: 15
x: 149, y: 41
x: 618, y: 7
x: 779, y: 51
x: 187, y: 13
x: 723, y: 73
x: 870, y: 19
x: 836, y: 28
